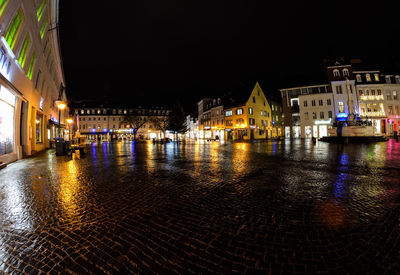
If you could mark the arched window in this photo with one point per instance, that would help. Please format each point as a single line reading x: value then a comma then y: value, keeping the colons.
x: 358, y: 78
x: 368, y: 77
x: 345, y: 72
x: 376, y: 76
x: 336, y: 73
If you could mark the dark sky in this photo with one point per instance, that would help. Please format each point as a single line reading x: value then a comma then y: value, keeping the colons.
x: 161, y: 51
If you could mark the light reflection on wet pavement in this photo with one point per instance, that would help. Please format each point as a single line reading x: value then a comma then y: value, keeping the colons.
x: 289, y: 207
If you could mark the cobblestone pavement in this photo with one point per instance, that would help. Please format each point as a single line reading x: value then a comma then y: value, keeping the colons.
x: 278, y: 208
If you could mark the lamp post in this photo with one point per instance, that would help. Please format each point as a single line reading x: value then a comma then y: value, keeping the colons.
x: 61, y: 106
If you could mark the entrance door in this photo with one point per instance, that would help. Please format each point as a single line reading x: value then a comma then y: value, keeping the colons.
x: 252, y: 134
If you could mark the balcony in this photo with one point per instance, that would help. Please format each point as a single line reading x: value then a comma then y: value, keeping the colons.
x: 371, y: 97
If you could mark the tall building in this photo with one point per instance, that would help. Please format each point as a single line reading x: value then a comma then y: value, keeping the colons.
x: 31, y: 77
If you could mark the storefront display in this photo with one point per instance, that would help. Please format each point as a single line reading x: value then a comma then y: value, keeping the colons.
x: 7, y: 105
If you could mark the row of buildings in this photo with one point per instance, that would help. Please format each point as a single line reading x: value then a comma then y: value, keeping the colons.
x: 31, y: 78
x: 347, y: 92
x: 245, y: 112
x: 309, y: 111
x: 107, y: 121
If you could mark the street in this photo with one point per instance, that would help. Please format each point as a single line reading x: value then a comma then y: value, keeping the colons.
x: 279, y: 207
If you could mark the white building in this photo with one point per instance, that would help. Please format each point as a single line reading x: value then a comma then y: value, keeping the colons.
x: 379, y: 96
x: 31, y: 75
x: 316, y: 113
x: 192, y: 127
x: 106, y: 123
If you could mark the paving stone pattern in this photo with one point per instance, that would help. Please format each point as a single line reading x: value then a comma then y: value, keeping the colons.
x: 268, y: 208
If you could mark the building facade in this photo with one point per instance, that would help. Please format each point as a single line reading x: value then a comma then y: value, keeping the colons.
x: 249, y: 117
x: 379, y: 97
x: 102, y: 122
x: 31, y: 78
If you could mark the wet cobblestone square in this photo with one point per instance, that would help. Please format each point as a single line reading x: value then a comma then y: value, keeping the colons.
x: 287, y: 207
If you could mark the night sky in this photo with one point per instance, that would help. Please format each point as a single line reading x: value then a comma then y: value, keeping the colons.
x: 157, y: 51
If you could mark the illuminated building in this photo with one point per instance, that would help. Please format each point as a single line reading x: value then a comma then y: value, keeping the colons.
x: 204, y: 117
x: 247, y: 113
x: 31, y: 77
x: 192, y: 127
x: 112, y: 121
x: 379, y: 97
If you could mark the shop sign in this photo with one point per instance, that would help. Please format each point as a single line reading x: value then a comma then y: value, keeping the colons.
x: 323, y: 121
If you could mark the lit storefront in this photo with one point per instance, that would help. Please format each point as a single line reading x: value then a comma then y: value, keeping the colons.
x: 7, y: 122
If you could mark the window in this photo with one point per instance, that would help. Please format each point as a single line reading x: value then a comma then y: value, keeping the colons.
x: 372, y: 92
x: 250, y: 110
x: 114, y: 126
x: 44, y: 27
x: 360, y: 92
x: 125, y: 112
x: 98, y: 112
x: 228, y: 122
x: 396, y: 109
x: 83, y: 126
x: 329, y: 114
x: 114, y: 112
x: 368, y: 77
x: 239, y: 111
x: 83, y: 119
x: 390, y: 109
x: 228, y: 113
x: 31, y: 66
x: 90, y: 118
x: 3, y: 4
x: 394, y: 95
x: 388, y: 79
x: 88, y: 111
x: 105, y: 119
x: 375, y: 107
x: 261, y: 113
x: 397, y: 77
x: 264, y: 103
x: 341, y: 107
x: 40, y: 11
x: 305, y: 103
x: 388, y: 95
x: 272, y: 107
x: 321, y: 115
x: 306, y: 115
x: 376, y: 77
x: 93, y: 112
x: 314, y: 115
x: 39, y: 128
x: 369, y: 108
x: 345, y: 72
x: 252, y: 121
x: 339, y: 89
x: 358, y: 78
x: 104, y: 112
x: 82, y: 112
x: 14, y: 28
x: 254, y: 99
x: 328, y: 102
x: 37, y: 79
x: 313, y: 102
x: 119, y: 112
x: 336, y: 73
x: 351, y: 89
x: 258, y: 93
x: 23, y: 53
x: 379, y: 92
x: 240, y: 121
x: 320, y: 102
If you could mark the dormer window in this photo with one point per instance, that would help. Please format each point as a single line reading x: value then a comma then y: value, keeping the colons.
x: 336, y: 73
x: 368, y: 77
x: 388, y: 79
x: 358, y: 78
x: 397, y: 79
x: 345, y: 72
x: 376, y: 77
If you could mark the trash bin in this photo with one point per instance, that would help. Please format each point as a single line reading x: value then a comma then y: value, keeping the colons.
x: 61, y: 149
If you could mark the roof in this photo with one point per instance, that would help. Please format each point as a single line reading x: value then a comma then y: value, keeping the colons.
x: 114, y: 104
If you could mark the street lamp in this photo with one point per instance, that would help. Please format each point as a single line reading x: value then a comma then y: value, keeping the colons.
x: 61, y: 106
x: 69, y: 121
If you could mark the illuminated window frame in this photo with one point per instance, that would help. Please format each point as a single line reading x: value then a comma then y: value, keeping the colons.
x: 14, y: 28
x: 3, y: 5
x: 31, y: 66
x: 41, y: 9
x: 23, y: 53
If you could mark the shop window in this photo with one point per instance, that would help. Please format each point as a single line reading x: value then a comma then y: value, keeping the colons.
x: 7, y: 105
x: 39, y: 128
